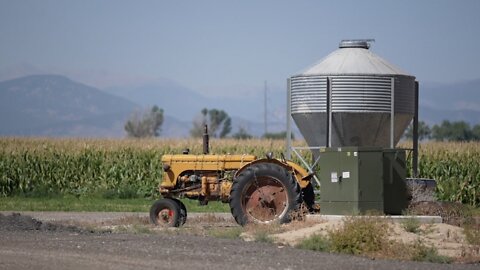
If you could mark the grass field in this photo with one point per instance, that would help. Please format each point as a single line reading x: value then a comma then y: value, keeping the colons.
x: 95, y: 204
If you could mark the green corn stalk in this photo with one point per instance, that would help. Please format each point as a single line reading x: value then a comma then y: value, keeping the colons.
x: 87, y: 166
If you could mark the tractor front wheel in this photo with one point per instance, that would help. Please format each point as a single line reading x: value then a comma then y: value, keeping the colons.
x: 264, y: 193
x: 167, y: 212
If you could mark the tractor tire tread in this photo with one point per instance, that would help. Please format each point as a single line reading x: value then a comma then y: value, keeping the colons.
x: 263, y: 169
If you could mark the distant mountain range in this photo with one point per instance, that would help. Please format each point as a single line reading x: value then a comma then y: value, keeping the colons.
x: 53, y: 105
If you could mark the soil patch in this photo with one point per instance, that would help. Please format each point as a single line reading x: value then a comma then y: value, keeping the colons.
x: 18, y: 222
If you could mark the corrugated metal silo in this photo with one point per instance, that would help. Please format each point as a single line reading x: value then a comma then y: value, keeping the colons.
x: 349, y: 97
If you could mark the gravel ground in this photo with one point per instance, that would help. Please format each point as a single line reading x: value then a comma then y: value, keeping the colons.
x: 27, y: 243
x: 98, y: 217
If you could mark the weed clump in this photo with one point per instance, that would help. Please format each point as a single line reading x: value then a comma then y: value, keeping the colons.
x: 359, y: 235
x: 262, y: 232
x: 263, y: 236
x: 421, y: 252
x: 315, y: 243
x: 411, y: 225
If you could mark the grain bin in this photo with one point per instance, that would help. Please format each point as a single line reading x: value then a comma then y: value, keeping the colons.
x: 349, y: 98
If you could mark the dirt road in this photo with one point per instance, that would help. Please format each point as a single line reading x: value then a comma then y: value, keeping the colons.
x: 30, y: 244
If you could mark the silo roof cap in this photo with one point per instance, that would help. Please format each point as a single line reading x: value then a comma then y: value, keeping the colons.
x: 353, y: 58
x: 355, y: 43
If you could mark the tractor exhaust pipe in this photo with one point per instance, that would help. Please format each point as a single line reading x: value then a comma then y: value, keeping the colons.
x: 205, y: 141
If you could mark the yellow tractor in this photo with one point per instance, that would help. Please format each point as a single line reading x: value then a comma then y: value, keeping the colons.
x: 259, y: 190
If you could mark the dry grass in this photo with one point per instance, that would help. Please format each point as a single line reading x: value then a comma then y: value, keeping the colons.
x: 210, y: 218
x: 370, y: 237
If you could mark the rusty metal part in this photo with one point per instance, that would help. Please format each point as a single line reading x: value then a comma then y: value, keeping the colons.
x: 165, y: 217
x: 300, y: 174
x: 265, y: 199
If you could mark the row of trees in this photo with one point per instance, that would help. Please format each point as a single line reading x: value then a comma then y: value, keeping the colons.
x: 446, y: 131
x: 149, y: 123
x: 218, y: 121
x: 145, y: 124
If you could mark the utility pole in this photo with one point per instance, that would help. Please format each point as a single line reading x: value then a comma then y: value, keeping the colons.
x: 265, y: 108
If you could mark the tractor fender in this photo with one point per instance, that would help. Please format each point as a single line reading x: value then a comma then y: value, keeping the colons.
x: 301, y: 175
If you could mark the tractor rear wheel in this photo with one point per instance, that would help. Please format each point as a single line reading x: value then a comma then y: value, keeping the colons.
x: 264, y: 193
x: 183, y: 211
x: 167, y: 212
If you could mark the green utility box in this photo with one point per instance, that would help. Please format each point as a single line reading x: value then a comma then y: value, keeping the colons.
x: 359, y: 179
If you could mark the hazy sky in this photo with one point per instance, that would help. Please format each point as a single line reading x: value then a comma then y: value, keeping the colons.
x: 215, y: 46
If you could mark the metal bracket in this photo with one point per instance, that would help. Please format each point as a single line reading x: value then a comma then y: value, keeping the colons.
x: 305, y: 163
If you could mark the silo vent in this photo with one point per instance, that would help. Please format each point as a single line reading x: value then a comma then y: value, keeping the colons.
x: 356, y: 43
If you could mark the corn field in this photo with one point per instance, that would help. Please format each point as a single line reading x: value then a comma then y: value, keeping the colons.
x: 89, y: 166
x: 84, y: 167
x: 456, y: 167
